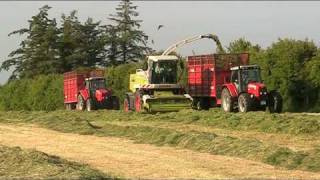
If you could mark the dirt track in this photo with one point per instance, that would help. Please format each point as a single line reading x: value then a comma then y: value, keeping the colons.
x: 125, y: 158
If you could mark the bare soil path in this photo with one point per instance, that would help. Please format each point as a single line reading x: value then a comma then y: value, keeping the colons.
x: 128, y: 159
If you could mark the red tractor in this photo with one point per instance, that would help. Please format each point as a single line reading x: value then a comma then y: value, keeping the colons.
x: 247, y: 91
x: 228, y: 80
x: 87, y: 90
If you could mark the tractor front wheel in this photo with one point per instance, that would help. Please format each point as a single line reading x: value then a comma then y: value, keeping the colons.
x: 275, y: 102
x: 227, y: 101
x: 89, y: 105
x: 244, y: 102
x: 80, y: 104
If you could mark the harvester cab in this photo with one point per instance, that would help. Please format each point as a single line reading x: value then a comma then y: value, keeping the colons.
x: 248, y: 92
x: 157, y: 88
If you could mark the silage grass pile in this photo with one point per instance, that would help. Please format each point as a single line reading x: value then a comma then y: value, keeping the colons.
x: 17, y: 163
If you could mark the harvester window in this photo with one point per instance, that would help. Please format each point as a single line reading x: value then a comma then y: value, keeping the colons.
x: 164, y: 72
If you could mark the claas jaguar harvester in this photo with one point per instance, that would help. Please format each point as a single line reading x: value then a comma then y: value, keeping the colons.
x: 86, y: 90
x: 228, y: 80
x: 157, y: 88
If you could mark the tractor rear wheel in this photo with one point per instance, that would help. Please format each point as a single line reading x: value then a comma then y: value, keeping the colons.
x: 89, y: 105
x: 80, y: 103
x: 227, y: 101
x: 274, y: 102
x: 244, y: 102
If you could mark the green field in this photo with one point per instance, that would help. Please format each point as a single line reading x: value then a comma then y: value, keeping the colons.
x: 284, y: 140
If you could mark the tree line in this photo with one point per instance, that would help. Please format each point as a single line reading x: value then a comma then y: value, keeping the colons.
x: 48, y: 48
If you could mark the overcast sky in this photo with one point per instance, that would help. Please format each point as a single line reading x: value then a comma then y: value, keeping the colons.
x: 259, y: 22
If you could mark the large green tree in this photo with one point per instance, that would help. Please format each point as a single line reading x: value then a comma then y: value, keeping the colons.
x: 130, y: 40
x: 80, y: 44
x: 285, y: 68
x: 37, y: 53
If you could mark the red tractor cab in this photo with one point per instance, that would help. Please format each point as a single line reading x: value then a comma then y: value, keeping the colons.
x: 247, y: 91
x: 87, y: 90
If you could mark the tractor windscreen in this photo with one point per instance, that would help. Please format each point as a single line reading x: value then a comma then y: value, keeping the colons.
x: 164, y: 72
x: 250, y: 75
x: 98, y: 84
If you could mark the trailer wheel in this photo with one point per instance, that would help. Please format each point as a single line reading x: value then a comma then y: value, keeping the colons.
x: 274, y: 102
x: 244, y: 102
x: 227, y: 101
x: 199, y: 105
x: 89, y: 105
x: 80, y: 103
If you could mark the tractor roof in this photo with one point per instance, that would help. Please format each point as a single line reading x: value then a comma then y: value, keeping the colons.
x: 94, y: 78
x: 245, y: 67
x: 162, y: 58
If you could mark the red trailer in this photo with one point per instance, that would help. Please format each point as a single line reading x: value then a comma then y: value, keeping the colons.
x: 228, y: 80
x: 87, y: 90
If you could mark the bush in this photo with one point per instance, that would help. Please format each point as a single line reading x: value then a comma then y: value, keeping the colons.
x: 118, y: 78
x: 41, y: 93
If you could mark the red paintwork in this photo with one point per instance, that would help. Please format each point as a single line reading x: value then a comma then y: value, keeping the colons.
x: 138, y: 104
x: 232, y: 89
x: 84, y: 93
x: 74, y: 83
x: 207, y: 74
x: 101, y: 94
x: 255, y: 89
x: 126, y: 105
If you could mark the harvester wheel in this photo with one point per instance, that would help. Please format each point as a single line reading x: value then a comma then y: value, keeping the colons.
x: 227, y: 101
x: 244, y: 102
x: 89, y: 105
x: 274, y: 102
x: 126, y: 105
x: 80, y: 103
x: 138, y: 103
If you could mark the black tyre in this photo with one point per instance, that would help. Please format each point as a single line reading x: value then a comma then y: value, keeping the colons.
x: 274, y: 102
x: 194, y: 104
x: 80, y: 104
x: 244, y: 102
x: 198, y: 105
x: 226, y: 100
x: 89, y: 105
x: 205, y: 104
